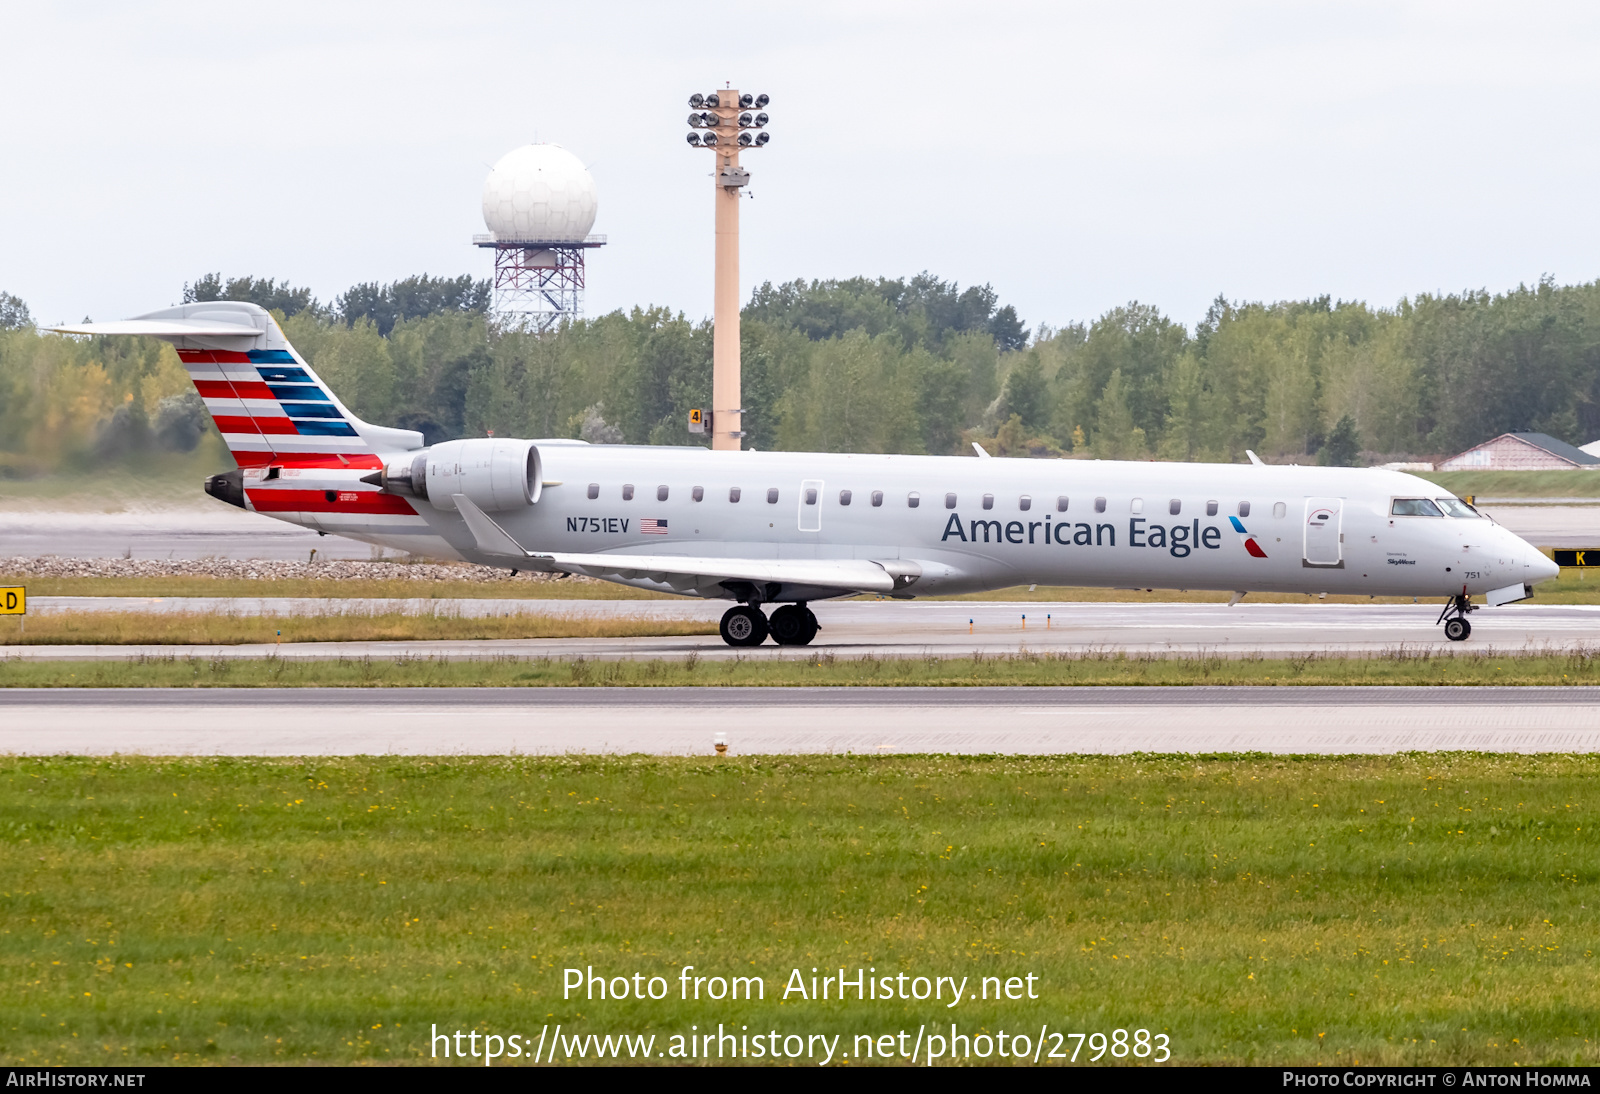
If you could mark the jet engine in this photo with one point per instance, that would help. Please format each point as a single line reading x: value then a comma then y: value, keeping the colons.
x: 497, y: 474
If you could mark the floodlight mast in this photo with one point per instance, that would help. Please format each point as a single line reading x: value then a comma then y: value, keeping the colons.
x: 722, y: 124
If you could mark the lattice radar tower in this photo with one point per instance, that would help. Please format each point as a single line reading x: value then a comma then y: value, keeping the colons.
x: 539, y: 203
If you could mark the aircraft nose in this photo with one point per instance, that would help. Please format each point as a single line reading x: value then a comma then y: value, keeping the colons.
x: 1539, y: 567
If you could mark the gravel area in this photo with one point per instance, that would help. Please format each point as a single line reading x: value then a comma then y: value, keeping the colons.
x: 269, y: 569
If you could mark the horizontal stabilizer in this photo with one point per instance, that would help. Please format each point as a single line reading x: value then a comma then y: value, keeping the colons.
x: 844, y: 573
x: 163, y: 328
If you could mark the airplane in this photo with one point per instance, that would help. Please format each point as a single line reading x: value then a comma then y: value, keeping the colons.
x: 786, y: 528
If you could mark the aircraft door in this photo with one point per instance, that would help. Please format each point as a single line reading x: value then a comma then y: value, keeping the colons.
x: 1324, y: 543
x: 811, y: 505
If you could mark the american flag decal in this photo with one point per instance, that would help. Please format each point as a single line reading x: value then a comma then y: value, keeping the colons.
x: 650, y: 526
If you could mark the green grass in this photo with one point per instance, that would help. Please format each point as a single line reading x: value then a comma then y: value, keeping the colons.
x: 208, y: 628
x: 145, y: 480
x: 1403, y: 910
x: 1518, y: 484
x: 773, y: 668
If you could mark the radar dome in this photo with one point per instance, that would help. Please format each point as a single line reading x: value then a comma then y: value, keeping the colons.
x: 542, y: 192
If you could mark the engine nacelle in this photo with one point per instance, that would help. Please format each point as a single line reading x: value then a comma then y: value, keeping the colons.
x: 495, y: 473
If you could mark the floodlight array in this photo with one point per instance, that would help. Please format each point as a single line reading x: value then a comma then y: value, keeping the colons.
x: 714, y: 123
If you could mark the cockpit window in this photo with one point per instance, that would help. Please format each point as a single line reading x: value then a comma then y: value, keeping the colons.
x: 1415, y: 507
x: 1455, y: 507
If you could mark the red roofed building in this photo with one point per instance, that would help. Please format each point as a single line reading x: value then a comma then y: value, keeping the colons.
x: 1521, y: 452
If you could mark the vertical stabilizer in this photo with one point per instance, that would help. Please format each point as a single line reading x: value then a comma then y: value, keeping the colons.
x: 269, y: 404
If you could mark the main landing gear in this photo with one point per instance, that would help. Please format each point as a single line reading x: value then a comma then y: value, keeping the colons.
x: 1454, y: 618
x: 793, y: 625
x: 790, y: 625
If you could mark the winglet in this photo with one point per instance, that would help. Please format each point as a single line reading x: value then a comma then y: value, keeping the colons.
x: 492, y: 539
x: 1255, y: 459
x: 983, y: 453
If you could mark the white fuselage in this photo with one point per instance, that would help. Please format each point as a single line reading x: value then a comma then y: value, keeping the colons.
x: 1012, y: 521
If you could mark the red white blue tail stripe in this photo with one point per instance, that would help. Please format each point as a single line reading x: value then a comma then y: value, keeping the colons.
x: 271, y: 410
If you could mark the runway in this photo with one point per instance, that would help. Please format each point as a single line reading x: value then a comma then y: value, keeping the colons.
x: 889, y: 628
x: 761, y: 721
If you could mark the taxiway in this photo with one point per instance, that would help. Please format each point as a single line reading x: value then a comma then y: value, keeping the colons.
x: 675, y: 721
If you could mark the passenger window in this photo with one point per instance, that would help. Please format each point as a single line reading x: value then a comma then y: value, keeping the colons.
x: 1136, y: 506
x: 1414, y: 507
x: 1099, y: 505
x: 627, y: 492
x: 811, y: 495
x: 877, y: 497
x: 733, y: 493
x: 988, y: 501
x: 772, y: 495
x: 844, y: 497
x: 661, y: 493
x: 1174, y: 506
x: 949, y: 501
x: 913, y: 499
x: 1061, y: 504
x: 698, y: 493
x: 594, y: 490
x: 1279, y: 510
x: 1211, y: 508
x: 1244, y: 509
x: 1024, y: 503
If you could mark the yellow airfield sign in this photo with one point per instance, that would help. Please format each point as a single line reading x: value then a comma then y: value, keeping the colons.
x: 13, y: 600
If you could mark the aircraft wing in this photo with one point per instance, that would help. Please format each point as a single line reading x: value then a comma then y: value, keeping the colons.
x: 681, y: 571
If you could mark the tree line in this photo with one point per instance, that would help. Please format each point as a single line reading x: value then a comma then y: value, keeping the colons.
x: 913, y: 364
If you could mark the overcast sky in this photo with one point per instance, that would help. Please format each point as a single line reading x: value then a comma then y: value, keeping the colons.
x: 1075, y: 156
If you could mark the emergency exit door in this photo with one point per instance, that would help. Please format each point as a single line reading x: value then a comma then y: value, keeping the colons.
x: 811, y: 505
x: 1324, y: 537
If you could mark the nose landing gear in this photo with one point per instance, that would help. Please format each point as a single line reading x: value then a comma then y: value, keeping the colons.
x: 791, y: 625
x: 1454, y: 618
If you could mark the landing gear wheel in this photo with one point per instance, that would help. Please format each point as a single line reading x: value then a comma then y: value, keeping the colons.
x: 812, y: 626
x: 1454, y: 618
x: 744, y: 626
x: 793, y: 625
